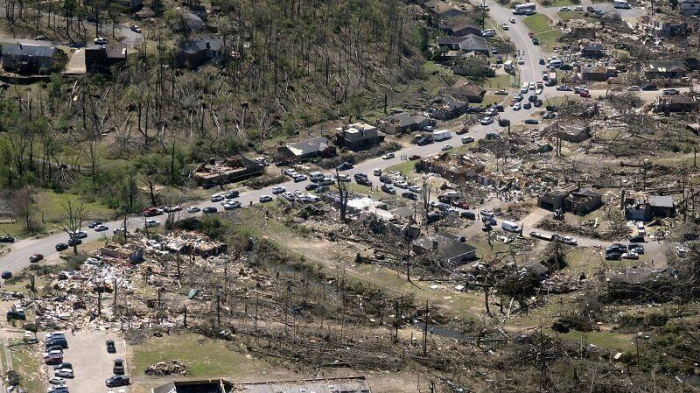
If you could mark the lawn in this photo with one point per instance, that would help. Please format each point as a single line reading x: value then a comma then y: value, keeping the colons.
x: 28, y: 367
x: 569, y: 15
x: 559, y: 3
x: 497, y: 82
x: 407, y: 168
x: 541, y: 26
x: 204, y: 358
x: 49, y: 210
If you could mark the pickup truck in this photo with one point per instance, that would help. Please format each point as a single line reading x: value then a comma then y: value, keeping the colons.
x: 539, y: 235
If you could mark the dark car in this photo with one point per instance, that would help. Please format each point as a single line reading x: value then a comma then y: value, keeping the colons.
x: 344, y: 166
x: 566, y: 67
x: 74, y: 242
x: 117, y: 380
x: 638, y: 248
x: 61, y: 246
x: 364, y: 181
x: 590, y: 9
x: 637, y: 239
x: 16, y: 315
x: 209, y: 210
x: 410, y: 195
x: 6, y: 275
x: 499, y: 107
x: 541, y: 61
x: 424, y: 141
x: 388, y: 189
x: 616, y: 248
x: 468, y: 215
x: 527, y: 105
x: 532, y: 98
x: 538, y: 103
x: 650, y: 88
x: 7, y: 239
x: 118, y: 368
x: 535, y: 41
x: 111, y: 348
x: 232, y: 194
x: 613, y: 256
x: 475, y: 109
x: 532, y: 121
x: 62, y: 366
x: 549, y: 115
x: 94, y: 224
x: 385, y: 179
x: 311, y: 186
x: 503, y: 122
x: 36, y: 258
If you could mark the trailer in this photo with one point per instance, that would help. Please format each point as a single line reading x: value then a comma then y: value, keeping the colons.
x: 525, y: 9
x: 510, y: 226
x: 441, y: 135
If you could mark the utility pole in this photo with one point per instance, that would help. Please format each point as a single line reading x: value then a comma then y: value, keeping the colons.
x: 483, y: 15
x: 218, y: 305
x: 425, y: 331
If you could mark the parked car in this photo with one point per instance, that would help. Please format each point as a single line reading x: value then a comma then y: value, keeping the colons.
x: 388, y: 156
x: 637, y: 239
x: 57, y: 381
x: 613, y: 256
x: 650, y: 88
x: 117, y: 380
x: 634, y: 88
x: 135, y: 29
x: 193, y: 209
x: 64, y: 366
x: 210, y: 210
x: 585, y: 94
x: 118, y: 368
x: 501, y: 92
x: 446, y: 147
x: 638, y: 248
x: 79, y: 235
x: 74, y: 242
x: 111, y: 348
x: 486, y: 121
x: 468, y: 215
x: 265, y: 198
x: 410, y: 195
x: 151, y: 223
x: 101, y: 228
x: 36, y: 258
x: 671, y: 92
x: 61, y: 246
x: 7, y: 239
x: 527, y: 105
x: 281, y: 190
x: 100, y: 41
x: 94, y: 224
x: 630, y: 255
x: 232, y: 194
x: 388, y: 189
x: 6, y: 275
x: 564, y: 88
x: 532, y: 121
x: 64, y: 372
x: 467, y: 139
x: 569, y: 240
x: 217, y: 198
x: 344, y: 166
x: 232, y: 205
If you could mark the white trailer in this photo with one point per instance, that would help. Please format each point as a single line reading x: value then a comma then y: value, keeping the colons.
x: 510, y: 226
x: 525, y: 9
x: 623, y: 4
x: 441, y: 135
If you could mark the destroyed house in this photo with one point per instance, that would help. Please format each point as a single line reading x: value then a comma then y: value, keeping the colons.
x: 668, y: 28
x: 448, y: 247
x: 598, y: 74
x: 592, y: 50
x: 196, y: 243
x: 554, y: 199
x: 583, y: 201
x: 133, y: 253
x: 689, y: 7
x: 665, y: 69
x: 466, y: 91
x: 634, y: 282
x: 305, y: 150
x: 232, y: 169
x: 28, y: 59
x: 198, y: 51
x: 404, y: 122
x: 677, y: 103
x: 644, y: 208
x: 319, y: 385
x: 574, y: 133
x: 358, y: 136
x: 102, y: 57
x: 446, y: 108
x: 457, y: 168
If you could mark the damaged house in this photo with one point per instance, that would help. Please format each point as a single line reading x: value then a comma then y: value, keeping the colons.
x: 358, y: 136
x: 232, y: 169
x: 305, y: 150
x: 446, y: 108
x: 448, y: 247
x: 665, y: 69
x: 405, y: 122
x: 677, y: 103
x: 574, y: 133
x: 570, y: 199
x: 466, y: 91
x: 645, y: 208
x: 457, y: 168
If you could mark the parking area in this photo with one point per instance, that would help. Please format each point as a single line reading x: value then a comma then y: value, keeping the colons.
x: 92, y: 364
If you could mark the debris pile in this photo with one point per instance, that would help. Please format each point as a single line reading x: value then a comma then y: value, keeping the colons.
x: 162, y: 369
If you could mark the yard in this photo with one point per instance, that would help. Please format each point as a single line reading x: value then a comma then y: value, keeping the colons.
x: 541, y: 26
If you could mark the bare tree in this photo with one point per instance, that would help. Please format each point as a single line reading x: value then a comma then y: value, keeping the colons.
x: 343, y: 195
x: 73, y: 221
x: 24, y: 205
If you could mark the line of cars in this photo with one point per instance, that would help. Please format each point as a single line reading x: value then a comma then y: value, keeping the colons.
x: 55, y: 343
x: 118, y: 369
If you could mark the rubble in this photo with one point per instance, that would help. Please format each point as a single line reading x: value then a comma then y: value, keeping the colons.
x: 162, y: 369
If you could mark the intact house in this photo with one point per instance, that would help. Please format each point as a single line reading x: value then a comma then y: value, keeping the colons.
x: 644, y: 208
x: 466, y: 91
x: 440, y: 10
x: 448, y: 247
x: 592, y: 50
x: 689, y: 7
x: 461, y: 29
x: 446, y: 108
x: 102, y: 57
x: 665, y: 69
x: 198, y: 51
x: 28, y: 59
x: 358, y: 136
x: 405, y: 122
x: 469, y: 43
x: 305, y: 150
x: 677, y: 103
x: 216, y: 173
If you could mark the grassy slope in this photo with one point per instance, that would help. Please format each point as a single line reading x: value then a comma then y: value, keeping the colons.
x: 541, y: 26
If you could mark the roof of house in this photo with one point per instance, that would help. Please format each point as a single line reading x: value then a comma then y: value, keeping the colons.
x: 448, y: 245
x: 360, y: 131
x: 587, y: 192
x: 199, y: 44
x: 465, y: 25
x: 466, y: 89
x: 667, y: 66
x: 406, y: 119
x: 449, y: 40
x: 447, y: 102
x: 314, y: 145
x: 113, y: 51
x: 30, y: 50
x: 471, y: 43
x: 661, y: 201
x: 593, y: 46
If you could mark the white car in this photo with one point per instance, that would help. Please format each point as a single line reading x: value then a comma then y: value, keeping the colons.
x: 569, y: 240
x: 578, y: 8
x: 532, y: 86
x: 232, y: 205
x: 100, y: 41
x: 217, y: 198
x: 388, y: 156
x: 564, y: 9
x: 502, y: 92
x: 152, y: 223
x: 193, y: 209
x: 634, y: 88
x: 521, y: 61
x: 57, y: 381
x: 523, y: 90
x: 64, y: 373
x: 288, y: 196
x: 505, y: 26
x: 265, y: 198
x: 401, y: 184
x: 538, y: 91
x: 446, y: 147
x: 516, y: 106
x: 511, y: 20
x: 377, y: 172
x: 486, y: 120
x: 278, y: 190
x: 630, y: 255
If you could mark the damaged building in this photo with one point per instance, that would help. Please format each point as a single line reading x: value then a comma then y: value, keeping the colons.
x: 319, y: 385
x: 232, y: 169
x: 358, y: 136
x: 642, y: 207
x: 450, y: 248
x: 570, y: 199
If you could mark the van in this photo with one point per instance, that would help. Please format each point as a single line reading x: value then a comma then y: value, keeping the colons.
x: 524, y: 88
x: 510, y: 226
x: 441, y: 135
x: 316, y: 176
x: 555, y: 63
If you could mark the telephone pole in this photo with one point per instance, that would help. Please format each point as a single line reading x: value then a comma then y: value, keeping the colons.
x: 425, y: 331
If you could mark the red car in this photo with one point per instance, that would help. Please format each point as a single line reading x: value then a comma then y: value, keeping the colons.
x: 585, y: 94
x: 36, y: 258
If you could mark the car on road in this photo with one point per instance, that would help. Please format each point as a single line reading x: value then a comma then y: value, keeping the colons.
x: 414, y: 157
x: 111, y: 348
x: 569, y: 240
x: 501, y: 92
x: 634, y: 88
x: 505, y: 26
x: 585, y: 94
x: 388, y: 156
x: 210, y: 210
x: 521, y: 61
x: 494, y: 50
x: 117, y: 380
x: 590, y: 9
x: 637, y: 239
x: 79, y: 235
x: 517, y: 106
x: 650, y: 88
x: 467, y: 139
x: 172, y: 209
x: 564, y: 88
x: 279, y: 190
x: 152, y: 223
x: 232, y: 194
x: 217, y: 198
x: 57, y: 381
x: 36, y: 258
x: 388, y: 189
x: 58, y: 389
x: 100, y: 41
x: 231, y: 205
x: 446, y: 147
x: 64, y: 372
x: 564, y: 9
x: 613, y: 256
x: 94, y: 224
x: 299, y: 178
x: 410, y: 195
x: 61, y: 246
x: 468, y: 215
x: 518, y: 97
x: 7, y: 239
x: 193, y: 209
x: 101, y: 228
x: 344, y: 166
x: 511, y: 20
x: 532, y: 121
x: 118, y: 368
x: 6, y: 275
x: 671, y: 92
x: 535, y: 41
x: 265, y: 198
x: 486, y: 121
x: 135, y: 29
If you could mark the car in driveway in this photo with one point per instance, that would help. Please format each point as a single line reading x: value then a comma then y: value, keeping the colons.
x: 117, y: 380
x: 61, y: 246
x: 265, y: 198
x: 486, y: 121
x: 36, y: 258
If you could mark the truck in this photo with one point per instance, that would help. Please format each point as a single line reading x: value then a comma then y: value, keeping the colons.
x: 508, y: 66
x: 623, y: 4
x: 552, y: 79
x: 510, y: 226
x: 525, y: 9
x: 441, y: 135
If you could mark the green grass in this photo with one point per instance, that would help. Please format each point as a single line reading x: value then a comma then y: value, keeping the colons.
x: 407, y: 168
x: 51, y: 205
x: 609, y: 340
x: 549, y: 39
x: 497, y: 82
x: 538, y: 23
x: 560, y: 3
x: 204, y: 358
x: 28, y: 367
x: 569, y: 15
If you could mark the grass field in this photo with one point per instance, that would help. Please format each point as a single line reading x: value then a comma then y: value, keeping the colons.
x: 541, y: 26
x: 203, y: 357
x: 49, y: 205
x: 29, y: 368
x: 497, y: 82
